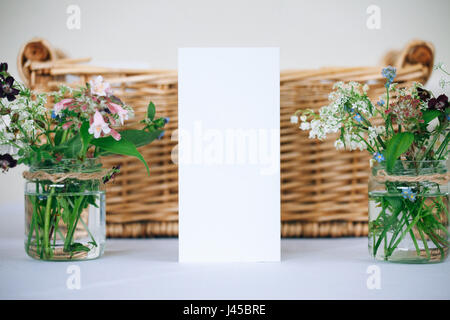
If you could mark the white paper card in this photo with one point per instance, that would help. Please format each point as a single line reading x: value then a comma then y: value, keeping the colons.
x: 229, y: 154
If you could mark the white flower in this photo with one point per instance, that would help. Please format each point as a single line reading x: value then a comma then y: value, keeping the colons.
x: 98, y: 125
x: 99, y: 87
x: 433, y: 124
x: 374, y: 132
x: 305, y: 126
x: 303, y: 118
x: 5, y: 121
x: 294, y: 119
x: 352, y: 142
x: 317, y: 130
x: 339, y: 145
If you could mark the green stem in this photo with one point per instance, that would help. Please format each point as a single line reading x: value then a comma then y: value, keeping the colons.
x: 89, y: 232
x: 408, y: 228
x: 424, y: 240
x: 56, y: 223
x: 46, y: 235
x: 387, y: 223
x: 411, y: 233
x: 64, y: 136
x: 430, y: 146
x: 443, y: 146
x: 32, y: 226
x: 73, y: 224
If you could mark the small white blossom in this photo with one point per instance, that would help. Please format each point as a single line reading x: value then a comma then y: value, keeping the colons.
x: 100, y: 87
x: 305, y: 126
x: 339, y: 145
x: 374, y: 132
x: 294, y: 119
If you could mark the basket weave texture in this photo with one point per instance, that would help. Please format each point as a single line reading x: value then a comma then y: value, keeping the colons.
x: 323, y: 191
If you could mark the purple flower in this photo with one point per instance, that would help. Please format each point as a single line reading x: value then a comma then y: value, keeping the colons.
x: 439, y: 103
x: 381, y: 103
x: 161, y: 135
x: 166, y: 120
x: 424, y: 95
x: 7, y: 161
x: 6, y: 88
x: 112, y: 174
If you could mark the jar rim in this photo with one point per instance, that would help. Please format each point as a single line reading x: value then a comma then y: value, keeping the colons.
x: 412, y: 168
x: 383, y: 163
x: 67, y: 163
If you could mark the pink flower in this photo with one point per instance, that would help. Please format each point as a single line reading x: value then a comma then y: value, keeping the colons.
x: 117, y: 109
x: 61, y: 105
x: 98, y: 125
x: 115, y: 134
x: 67, y: 125
x: 99, y: 87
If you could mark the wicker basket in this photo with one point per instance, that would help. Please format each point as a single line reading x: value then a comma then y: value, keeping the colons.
x: 323, y: 191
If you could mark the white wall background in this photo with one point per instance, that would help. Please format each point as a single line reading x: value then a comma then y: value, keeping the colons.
x: 310, y: 33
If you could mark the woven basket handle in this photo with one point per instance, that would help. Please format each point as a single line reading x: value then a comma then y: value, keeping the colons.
x: 414, y: 53
x: 35, y: 50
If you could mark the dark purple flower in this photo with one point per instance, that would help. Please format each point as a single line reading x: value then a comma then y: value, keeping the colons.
x: 439, y: 103
x: 3, y: 67
x: 424, y: 95
x: 112, y: 174
x: 7, y: 161
x: 6, y: 88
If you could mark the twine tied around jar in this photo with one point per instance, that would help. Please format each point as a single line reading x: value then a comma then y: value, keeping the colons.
x: 59, y: 177
x: 438, y: 178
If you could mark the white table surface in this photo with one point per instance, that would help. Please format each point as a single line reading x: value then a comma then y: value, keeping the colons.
x: 148, y: 269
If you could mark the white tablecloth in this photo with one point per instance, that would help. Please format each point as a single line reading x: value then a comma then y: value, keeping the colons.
x: 148, y: 269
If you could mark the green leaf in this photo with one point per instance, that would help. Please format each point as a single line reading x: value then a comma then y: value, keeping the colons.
x: 151, y: 110
x: 77, y: 247
x: 395, y: 202
x: 46, y: 155
x: 66, y: 211
x: 71, y: 148
x: 123, y: 147
x: 429, y: 115
x: 139, y: 137
x: 85, y: 137
x: 58, y: 137
x: 398, y: 145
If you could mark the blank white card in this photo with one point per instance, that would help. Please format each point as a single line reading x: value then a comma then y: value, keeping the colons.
x: 229, y: 154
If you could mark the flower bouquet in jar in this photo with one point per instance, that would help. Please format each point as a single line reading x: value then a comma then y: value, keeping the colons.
x: 62, y: 145
x: 407, y: 133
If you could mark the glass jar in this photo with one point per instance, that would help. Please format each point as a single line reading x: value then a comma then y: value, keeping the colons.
x: 408, y: 212
x: 65, y: 211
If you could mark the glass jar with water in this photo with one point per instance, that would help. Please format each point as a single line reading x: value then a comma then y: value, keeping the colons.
x: 408, y: 212
x: 65, y: 211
